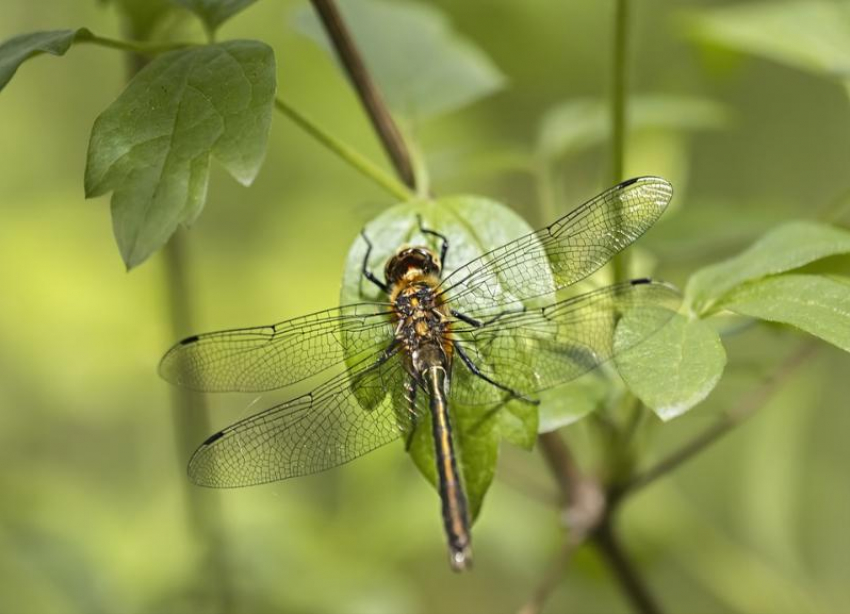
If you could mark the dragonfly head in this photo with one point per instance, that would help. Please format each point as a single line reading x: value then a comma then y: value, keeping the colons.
x: 412, y: 260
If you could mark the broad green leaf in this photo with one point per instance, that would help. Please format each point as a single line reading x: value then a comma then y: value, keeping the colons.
x: 152, y: 146
x: 215, y: 12
x: 19, y: 49
x: 813, y: 35
x: 582, y: 123
x: 672, y: 369
x: 421, y: 65
x: 142, y: 16
x: 473, y: 226
x: 817, y: 305
x: 564, y: 405
x: 792, y: 245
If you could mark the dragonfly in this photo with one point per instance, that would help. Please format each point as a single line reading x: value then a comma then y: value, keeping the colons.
x: 491, y: 331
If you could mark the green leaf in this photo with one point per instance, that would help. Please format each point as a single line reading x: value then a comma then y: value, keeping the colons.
x: 421, y: 65
x: 812, y: 35
x: 672, y: 369
x: 215, y: 12
x: 817, y: 305
x: 19, y: 49
x: 583, y: 123
x: 792, y: 245
x: 564, y: 405
x: 143, y: 16
x: 152, y: 146
x: 473, y: 226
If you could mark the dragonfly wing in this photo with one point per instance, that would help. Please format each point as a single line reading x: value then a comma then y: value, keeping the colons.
x: 268, y: 357
x: 565, y: 252
x: 308, y: 434
x: 534, y: 350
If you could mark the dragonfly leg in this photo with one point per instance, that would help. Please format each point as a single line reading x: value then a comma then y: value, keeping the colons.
x: 365, y: 269
x: 444, y: 246
x: 478, y: 373
x: 468, y: 319
x: 482, y: 323
x: 410, y: 389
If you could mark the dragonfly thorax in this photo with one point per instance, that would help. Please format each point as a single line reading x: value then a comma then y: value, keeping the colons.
x: 422, y: 325
x: 416, y: 300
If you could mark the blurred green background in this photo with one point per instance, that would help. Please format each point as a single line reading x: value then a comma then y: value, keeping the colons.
x: 93, y: 511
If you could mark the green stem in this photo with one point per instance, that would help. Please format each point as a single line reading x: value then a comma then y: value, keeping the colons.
x: 618, y: 116
x: 353, y: 158
x: 191, y: 420
x: 191, y: 425
x: 138, y: 47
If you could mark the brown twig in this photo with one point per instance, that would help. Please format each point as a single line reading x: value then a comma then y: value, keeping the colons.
x: 369, y: 95
x: 608, y: 545
x: 589, y: 518
x: 749, y: 406
x: 563, y: 466
x: 583, y: 504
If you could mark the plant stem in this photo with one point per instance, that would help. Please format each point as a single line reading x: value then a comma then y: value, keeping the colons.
x: 620, y: 262
x: 143, y: 48
x: 191, y: 420
x: 561, y: 462
x: 354, y: 159
x: 583, y: 504
x: 749, y: 406
x: 191, y: 425
x: 633, y: 585
x: 369, y: 95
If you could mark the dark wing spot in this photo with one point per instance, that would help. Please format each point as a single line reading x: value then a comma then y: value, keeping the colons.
x: 213, y: 438
x: 189, y: 340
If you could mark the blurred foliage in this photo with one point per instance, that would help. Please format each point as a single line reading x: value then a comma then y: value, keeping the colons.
x: 93, y: 517
x: 142, y: 17
x: 215, y: 12
x: 574, y: 126
x: 808, y: 34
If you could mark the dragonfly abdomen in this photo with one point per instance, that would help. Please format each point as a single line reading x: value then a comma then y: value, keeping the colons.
x: 452, y: 495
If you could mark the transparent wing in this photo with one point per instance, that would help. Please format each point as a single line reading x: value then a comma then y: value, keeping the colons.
x: 268, y: 357
x: 311, y: 433
x: 571, y: 248
x: 534, y: 350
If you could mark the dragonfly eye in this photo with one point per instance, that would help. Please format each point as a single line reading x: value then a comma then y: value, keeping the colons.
x: 412, y: 258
